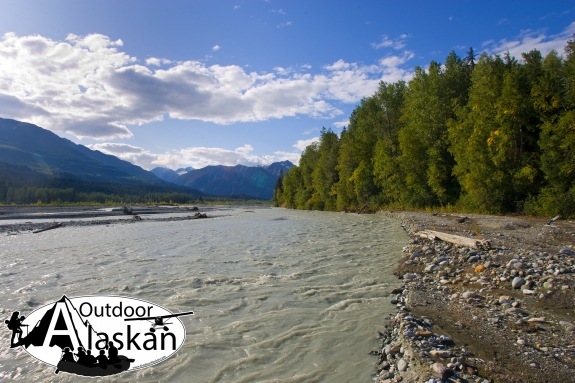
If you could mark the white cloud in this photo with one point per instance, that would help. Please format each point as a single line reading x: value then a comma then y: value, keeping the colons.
x: 87, y: 87
x: 285, y: 24
x: 133, y: 154
x: 283, y: 71
x: 302, y: 144
x: 236, y: 6
x: 528, y: 40
x: 386, y: 42
x: 196, y: 157
x: 280, y: 11
x: 306, y: 66
x: 216, y: 48
x: 341, y: 124
x: 157, y: 62
x: 310, y: 131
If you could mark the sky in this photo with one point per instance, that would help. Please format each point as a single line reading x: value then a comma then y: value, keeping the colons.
x: 197, y: 83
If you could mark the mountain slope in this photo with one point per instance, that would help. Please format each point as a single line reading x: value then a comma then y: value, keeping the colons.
x: 230, y: 180
x: 276, y: 168
x: 114, y: 161
x: 166, y: 174
x: 43, y: 151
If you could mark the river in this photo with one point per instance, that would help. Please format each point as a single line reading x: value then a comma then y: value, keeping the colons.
x: 278, y: 295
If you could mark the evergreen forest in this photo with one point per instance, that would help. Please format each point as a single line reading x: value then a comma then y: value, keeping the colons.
x: 486, y: 134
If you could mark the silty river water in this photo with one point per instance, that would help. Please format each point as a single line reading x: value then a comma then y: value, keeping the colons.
x: 278, y: 295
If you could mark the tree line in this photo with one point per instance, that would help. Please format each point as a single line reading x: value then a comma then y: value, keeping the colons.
x: 62, y: 191
x: 491, y: 134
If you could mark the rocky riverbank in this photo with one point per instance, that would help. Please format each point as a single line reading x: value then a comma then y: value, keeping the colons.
x: 504, y: 314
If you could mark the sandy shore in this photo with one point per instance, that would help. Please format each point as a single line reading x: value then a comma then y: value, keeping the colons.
x: 466, y: 315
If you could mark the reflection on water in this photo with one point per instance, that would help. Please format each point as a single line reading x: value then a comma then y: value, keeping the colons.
x: 278, y: 295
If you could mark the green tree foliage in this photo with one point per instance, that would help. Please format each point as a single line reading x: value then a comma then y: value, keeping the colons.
x: 554, y: 97
x: 386, y: 170
x: 324, y: 176
x: 494, y: 134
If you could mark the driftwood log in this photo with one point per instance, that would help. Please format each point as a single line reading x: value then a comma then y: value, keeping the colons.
x: 455, y: 239
x: 55, y: 226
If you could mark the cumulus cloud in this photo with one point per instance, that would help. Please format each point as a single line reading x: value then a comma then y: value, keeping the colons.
x: 216, y: 48
x: 283, y: 71
x: 87, y: 87
x: 302, y: 144
x: 157, y: 62
x: 528, y: 40
x: 341, y: 124
x: 196, y: 157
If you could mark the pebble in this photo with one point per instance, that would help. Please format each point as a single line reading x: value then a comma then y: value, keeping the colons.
x: 401, y: 365
x: 566, y: 252
x: 439, y: 369
x: 469, y: 294
x: 517, y: 282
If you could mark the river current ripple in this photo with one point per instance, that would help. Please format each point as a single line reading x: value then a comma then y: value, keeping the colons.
x: 278, y: 295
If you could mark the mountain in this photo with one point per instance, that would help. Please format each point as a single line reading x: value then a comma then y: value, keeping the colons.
x: 258, y: 181
x: 230, y: 180
x: 114, y: 161
x: 166, y: 174
x: 181, y: 171
x: 276, y: 168
x: 45, y: 153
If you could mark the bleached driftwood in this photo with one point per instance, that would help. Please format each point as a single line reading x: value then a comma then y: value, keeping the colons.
x: 455, y: 239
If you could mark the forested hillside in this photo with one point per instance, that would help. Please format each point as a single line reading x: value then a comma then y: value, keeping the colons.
x: 493, y: 134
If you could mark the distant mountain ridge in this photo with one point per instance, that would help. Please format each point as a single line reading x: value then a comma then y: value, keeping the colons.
x: 46, y: 153
x: 29, y: 152
x: 256, y: 181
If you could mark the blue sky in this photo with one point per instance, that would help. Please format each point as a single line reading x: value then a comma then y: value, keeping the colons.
x: 196, y: 83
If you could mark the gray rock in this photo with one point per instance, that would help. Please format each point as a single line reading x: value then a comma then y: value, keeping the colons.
x: 401, y: 365
x: 439, y: 369
x: 473, y: 259
x: 515, y: 310
x: 397, y: 290
x: 415, y: 255
x: 469, y: 294
x: 566, y: 252
x: 517, y: 282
